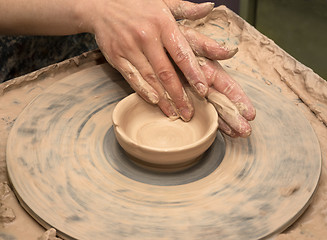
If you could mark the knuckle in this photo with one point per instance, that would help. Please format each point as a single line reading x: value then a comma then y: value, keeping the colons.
x: 145, y: 34
x: 150, y: 78
x: 181, y: 56
x: 129, y: 75
x: 166, y: 76
x: 229, y: 88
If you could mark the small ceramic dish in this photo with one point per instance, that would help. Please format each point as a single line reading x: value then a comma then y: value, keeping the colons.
x: 146, y: 134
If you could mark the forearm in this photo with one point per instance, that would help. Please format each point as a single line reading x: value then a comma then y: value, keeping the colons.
x: 41, y: 17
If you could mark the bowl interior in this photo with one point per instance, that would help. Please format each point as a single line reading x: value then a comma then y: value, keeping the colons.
x: 151, y: 138
x: 145, y: 125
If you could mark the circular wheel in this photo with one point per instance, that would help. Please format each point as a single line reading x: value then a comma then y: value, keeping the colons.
x: 69, y: 172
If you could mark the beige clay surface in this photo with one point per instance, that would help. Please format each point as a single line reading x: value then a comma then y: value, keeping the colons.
x: 258, y: 57
x: 148, y: 135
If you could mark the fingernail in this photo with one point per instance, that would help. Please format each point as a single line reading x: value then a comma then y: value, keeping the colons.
x: 185, y: 114
x: 173, y: 113
x: 153, y: 97
x: 244, y: 129
x: 246, y: 133
x: 232, y: 52
x: 202, y: 89
x: 211, y: 4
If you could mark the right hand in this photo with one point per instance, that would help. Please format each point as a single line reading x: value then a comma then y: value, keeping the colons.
x: 134, y: 37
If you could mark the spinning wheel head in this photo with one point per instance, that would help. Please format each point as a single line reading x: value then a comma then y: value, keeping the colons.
x: 70, y: 173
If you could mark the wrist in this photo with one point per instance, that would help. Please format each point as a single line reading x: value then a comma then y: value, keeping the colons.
x: 84, y: 16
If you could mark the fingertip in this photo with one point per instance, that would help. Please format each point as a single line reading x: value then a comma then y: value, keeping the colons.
x: 150, y: 97
x: 192, y: 11
x: 153, y: 97
x: 207, y: 7
x: 244, y: 128
x: 251, y: 114
x: 186, y: 113
x: 231, y: 52
x: 168, y: 108
x: 246, y: 109
x: 202, y: 10
x: 246, y: 133
x: 202, y: 89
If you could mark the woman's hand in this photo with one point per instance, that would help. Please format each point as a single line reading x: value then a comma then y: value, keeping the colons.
x: 139, y: 37
x: 143, y: 39
x: 234, y: 107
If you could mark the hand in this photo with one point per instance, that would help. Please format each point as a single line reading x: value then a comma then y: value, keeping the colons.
x: 234, y: 107
x: 135, y: 42
x: 134, y: 37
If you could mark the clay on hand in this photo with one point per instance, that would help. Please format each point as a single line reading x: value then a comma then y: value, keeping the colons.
x: 139, y: 42
x: 234, y: 107
x: 138, y: 37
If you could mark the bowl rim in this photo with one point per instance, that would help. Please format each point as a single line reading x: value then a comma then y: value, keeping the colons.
x: 213, y: 127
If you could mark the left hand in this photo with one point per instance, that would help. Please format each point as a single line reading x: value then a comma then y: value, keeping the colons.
x: 234, y: 107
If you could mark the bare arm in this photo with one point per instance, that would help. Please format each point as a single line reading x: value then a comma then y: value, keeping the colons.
x: 40, y: 17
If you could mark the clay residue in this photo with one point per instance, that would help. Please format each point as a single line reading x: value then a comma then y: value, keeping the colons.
x: 86, y: 59
x: 7, y: 214
x: 15, y: 223
x: 49, y: 235
x: 269, y: 62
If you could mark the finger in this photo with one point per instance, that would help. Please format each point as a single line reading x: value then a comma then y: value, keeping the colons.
x: 223, y: 83
x: 168, y: 78
x: 223, y: 126
x: 206, y: 47
x: 189, y: 10
x: 145, y: 69
x: 229, y: 113
x: 136, y: 81
x: 182, y: 54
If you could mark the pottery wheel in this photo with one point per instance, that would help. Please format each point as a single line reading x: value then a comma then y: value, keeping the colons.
x: 69, y: 172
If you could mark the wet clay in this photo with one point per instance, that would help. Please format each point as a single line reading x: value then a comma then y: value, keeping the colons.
x: 271, y: 62
x: 258, y: 57
x: 148, y: 135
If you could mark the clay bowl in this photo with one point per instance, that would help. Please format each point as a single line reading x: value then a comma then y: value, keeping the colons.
x: 156, y: 141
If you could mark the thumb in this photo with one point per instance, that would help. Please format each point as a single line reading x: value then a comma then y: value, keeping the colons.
x: 188, y: 10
